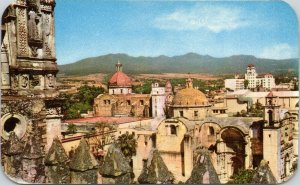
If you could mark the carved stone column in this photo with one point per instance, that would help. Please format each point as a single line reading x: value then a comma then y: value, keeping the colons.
x: 22, y: 37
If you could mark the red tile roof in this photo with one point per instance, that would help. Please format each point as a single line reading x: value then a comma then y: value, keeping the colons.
x: 120, y: 79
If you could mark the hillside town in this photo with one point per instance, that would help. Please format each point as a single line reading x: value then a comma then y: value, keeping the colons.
x: 111, y: 132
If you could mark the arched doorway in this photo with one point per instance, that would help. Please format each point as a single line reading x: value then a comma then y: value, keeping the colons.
x: 234, y: 142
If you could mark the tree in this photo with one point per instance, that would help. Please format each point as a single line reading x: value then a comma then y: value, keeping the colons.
x: 80, y: 102
x: 246, y: 83
x: 242, y: 177
x: 72, y: 128
x: 127, y: 143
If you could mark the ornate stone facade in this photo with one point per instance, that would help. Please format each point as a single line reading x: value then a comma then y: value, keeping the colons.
x: 29, y: 101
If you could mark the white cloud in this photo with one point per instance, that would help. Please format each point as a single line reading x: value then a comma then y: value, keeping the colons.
x: 279, y: 51
x: 213, y: 18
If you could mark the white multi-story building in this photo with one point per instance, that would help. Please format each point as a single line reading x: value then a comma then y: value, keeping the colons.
x: 267, y: 81
x: 235, y: 84
x: 158, y: 96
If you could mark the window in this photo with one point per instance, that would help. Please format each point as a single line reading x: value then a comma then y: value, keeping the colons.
x: 222, y: 111
x: 121, y: 91
x: 211, y: 131
x: 142, y: 102
x: 181, y: 113
x: 128, y: 102
x: 215, y: 111
x: 113, y: 91
x: 173, y: 130
x: 104, y: 101
x: 196, y: 113
x: 108, y: 102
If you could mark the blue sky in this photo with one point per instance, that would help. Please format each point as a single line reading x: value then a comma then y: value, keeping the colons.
x: 88, y: 28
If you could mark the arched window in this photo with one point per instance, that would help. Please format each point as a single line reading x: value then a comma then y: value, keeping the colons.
x: 270, y: 113
x: 173, y: 130
x: 211, y: 131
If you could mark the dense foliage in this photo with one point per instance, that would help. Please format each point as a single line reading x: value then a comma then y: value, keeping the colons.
x: 71, y: 129
x: 242, y: 177
x: 127, y: 143
x: 209, y: 85
x: 80, y: 102
x: 144, y: 88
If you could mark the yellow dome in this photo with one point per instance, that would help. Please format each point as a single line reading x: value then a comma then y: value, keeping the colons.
x: 190, y: 97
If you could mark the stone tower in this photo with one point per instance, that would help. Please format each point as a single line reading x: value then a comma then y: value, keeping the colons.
x: 278, y: 148
x: 158, y: 98
x: 28, y: 71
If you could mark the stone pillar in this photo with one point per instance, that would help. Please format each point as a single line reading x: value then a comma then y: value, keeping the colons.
x: 22, y: 37
x: 188, y: 156
x: 57, y: 164
x: 116, y: 168
x: 248, y: 152
x: 83, y: 165
x: 33, y: 168
x: 12, y: 150
x: 53, y: 124
x: 5, y: 78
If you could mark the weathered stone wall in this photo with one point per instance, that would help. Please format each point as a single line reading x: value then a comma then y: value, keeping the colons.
x: 126, y: 105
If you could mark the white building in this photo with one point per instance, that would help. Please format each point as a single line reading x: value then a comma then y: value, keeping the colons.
x: 158, y: 96
x: 267, y: 81
x: 235, y: 84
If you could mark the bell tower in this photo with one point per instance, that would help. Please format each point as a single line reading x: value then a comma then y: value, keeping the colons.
x: 271, y: 111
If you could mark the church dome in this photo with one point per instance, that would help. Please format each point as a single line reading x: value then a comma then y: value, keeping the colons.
x: 190, y: 97
x: 119, y: 79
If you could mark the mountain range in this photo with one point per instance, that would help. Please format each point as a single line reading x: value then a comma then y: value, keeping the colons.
x: 188, y: 63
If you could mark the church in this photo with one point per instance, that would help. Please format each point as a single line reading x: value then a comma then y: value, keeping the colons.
x: 120, y: 101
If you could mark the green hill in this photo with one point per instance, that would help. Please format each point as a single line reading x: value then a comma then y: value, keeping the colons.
x: 188, y: 63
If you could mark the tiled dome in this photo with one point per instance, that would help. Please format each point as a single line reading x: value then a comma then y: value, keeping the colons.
x: 189, y: 97
x: 120, y: 79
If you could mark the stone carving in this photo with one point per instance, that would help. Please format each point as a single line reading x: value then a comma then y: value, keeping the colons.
x: 34, y: 80
x: 50, y: 81
x: 22, y: 32
x: 33, y: 32
x: 21, y: 2
x: 50, y: 2
x: 47, y: 32
x: 24, y: 81
x: 14, y: 81
x: 47, y: 5
x: 54, y: 111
